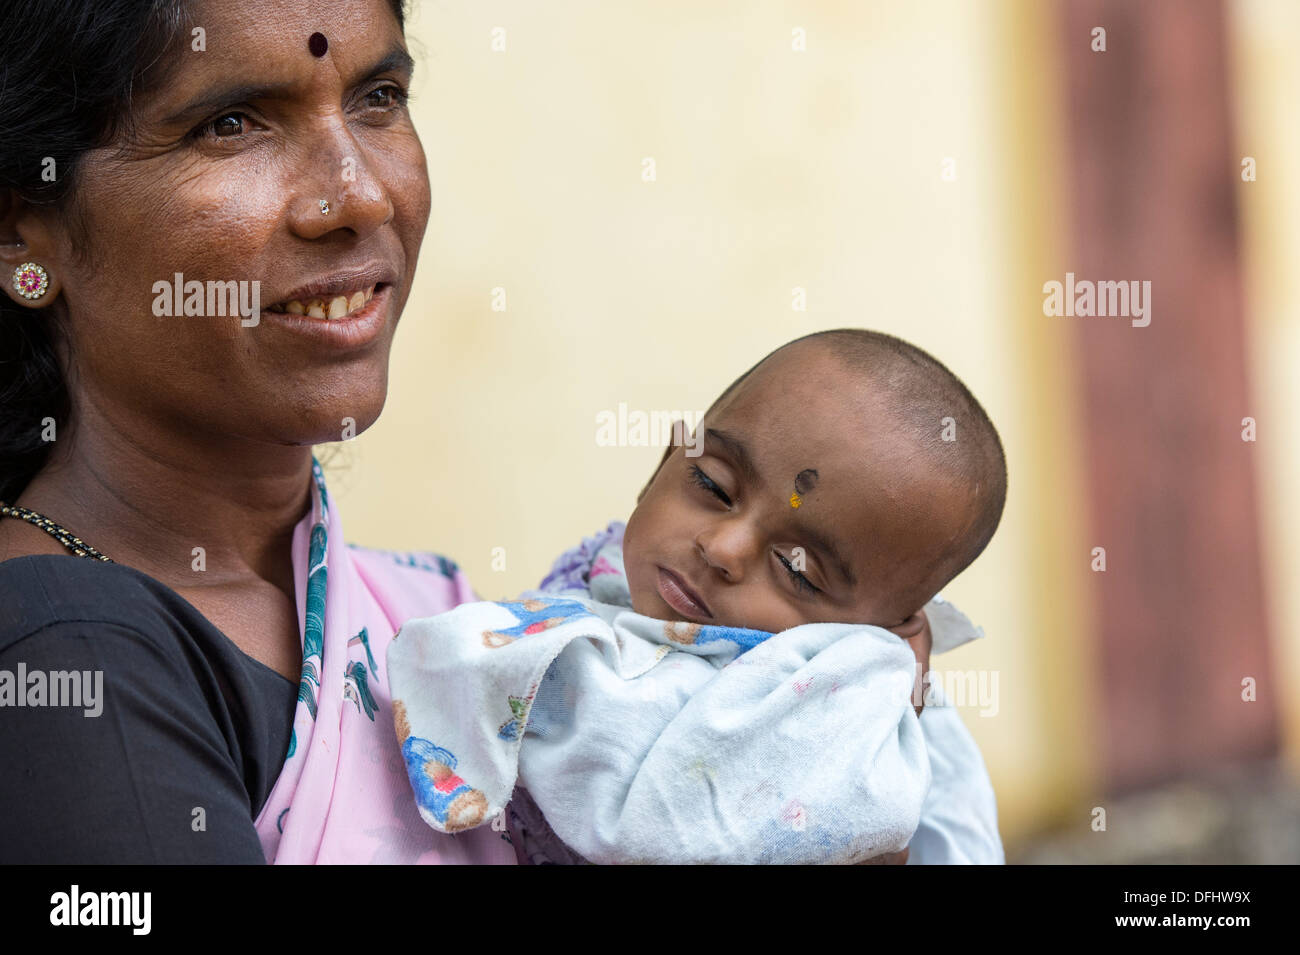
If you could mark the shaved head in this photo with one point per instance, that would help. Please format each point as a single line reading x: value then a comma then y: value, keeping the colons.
x: 939, y: 423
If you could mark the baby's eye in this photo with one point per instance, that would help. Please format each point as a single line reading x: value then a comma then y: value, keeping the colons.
x: 706, y: 482
x: 801, y: 583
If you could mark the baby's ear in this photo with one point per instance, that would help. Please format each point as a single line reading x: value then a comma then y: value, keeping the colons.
x: 677, y: 428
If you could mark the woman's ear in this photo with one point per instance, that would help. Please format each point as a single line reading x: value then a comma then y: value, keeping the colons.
x: 677, y: 428
x: 25, y: 241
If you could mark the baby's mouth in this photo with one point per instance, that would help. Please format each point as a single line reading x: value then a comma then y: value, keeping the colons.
x: 329, y: 307
x: 677, y: 593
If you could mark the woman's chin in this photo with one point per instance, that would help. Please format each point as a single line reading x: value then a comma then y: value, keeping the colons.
x: 327, y: 426
x: 340, y: 410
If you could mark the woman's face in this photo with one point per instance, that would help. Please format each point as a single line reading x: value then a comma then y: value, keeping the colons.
x: 221, y: 179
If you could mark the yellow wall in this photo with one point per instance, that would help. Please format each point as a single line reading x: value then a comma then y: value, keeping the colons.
x: 775, y: 169
x: 1267, y: 81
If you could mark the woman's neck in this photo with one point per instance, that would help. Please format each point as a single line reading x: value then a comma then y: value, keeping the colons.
x: 147, y: 496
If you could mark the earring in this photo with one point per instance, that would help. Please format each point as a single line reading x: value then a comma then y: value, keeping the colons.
x: 30, y: 280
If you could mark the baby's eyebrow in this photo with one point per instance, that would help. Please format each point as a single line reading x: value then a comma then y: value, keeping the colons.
x: 735, y: 447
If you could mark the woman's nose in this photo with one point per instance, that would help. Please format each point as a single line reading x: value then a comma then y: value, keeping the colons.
x: 728, y: 547
x: 339, y: 191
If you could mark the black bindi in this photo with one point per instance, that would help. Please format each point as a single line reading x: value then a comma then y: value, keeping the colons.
x: 318, y: 44
x: 805, y: 481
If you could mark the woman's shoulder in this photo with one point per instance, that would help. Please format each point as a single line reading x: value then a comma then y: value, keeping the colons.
x: 43, y: 591
x: 59, y: 606
x: 111, y: 680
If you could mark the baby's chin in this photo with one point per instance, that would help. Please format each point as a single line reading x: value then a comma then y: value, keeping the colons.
x: 659, y: 612
x: 651, y: 606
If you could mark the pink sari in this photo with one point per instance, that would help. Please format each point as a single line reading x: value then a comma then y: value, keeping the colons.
x: 343, y: 795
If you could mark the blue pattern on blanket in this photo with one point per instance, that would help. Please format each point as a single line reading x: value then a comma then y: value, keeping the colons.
x: 452, y: 801
x: 742, y: 637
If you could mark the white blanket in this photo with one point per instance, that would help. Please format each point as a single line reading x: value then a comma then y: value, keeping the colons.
x: 647, y: 741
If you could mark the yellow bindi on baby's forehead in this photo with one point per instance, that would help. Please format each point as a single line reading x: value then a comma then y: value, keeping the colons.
x: 804, y: 482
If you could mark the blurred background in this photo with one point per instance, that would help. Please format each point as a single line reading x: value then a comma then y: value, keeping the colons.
x: 635, y: 202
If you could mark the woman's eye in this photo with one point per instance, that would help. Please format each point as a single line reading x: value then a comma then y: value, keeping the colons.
x: 225, y: 126
x: 801, y: 582
x: 387, y: 97
x: 228, y: 126
x: 706, y: 482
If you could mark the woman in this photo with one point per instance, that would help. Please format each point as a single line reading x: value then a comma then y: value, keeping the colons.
x: 212, y: 213
x: 252, y: 151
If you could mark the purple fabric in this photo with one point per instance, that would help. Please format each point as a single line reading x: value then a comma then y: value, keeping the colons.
x: 569, y: 572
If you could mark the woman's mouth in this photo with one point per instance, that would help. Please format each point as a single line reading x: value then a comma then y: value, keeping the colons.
x: 342, y: 319
x: 328, y: 307
x: 679, y: 595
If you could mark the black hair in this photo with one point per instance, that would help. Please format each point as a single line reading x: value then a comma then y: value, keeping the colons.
x: 922, y: 393
x: 70, y: 70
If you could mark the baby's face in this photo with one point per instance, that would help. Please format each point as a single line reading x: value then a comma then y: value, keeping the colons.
x: 802, y: 508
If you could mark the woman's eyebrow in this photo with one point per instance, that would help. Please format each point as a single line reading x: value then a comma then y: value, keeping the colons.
x: 396, y: 60
x: 226, y: 95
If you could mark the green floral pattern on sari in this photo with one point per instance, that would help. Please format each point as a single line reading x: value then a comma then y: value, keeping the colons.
x: 313, y: 635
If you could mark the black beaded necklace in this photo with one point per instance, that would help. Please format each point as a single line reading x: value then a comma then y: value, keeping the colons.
x: 65, y: 537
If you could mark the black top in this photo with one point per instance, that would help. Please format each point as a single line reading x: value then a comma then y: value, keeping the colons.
x: 187, y: 722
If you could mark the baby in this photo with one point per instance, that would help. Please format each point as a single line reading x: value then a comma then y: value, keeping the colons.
x: 845, y: 478
x: 719, y: 683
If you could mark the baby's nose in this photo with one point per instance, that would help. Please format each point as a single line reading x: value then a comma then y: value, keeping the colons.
x: 727, y: 549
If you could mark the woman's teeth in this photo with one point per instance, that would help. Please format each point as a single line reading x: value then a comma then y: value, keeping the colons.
x: 338, y: 306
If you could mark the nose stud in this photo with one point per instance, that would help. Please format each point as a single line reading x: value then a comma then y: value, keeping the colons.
x: 324, y: 208
x: 30, y: 280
